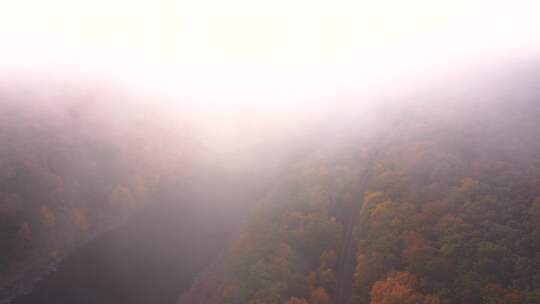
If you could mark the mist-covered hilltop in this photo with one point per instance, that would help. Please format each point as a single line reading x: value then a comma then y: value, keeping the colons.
x: 73, y: 164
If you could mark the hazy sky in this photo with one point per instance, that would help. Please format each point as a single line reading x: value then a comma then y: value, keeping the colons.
x: 247, y: 51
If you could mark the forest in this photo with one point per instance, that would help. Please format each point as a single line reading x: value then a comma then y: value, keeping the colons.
x: 429, y: 197
x: 69, y: 174
x: 440, y: 203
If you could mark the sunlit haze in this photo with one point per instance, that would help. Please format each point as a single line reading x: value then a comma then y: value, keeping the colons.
x: 269, y: 152
x: 254, y: 52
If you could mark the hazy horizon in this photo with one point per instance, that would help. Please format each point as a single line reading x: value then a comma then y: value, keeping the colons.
x: 249, y: 54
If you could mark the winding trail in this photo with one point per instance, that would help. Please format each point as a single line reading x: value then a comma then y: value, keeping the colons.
x: 347, y: 257
x: 346, y: 266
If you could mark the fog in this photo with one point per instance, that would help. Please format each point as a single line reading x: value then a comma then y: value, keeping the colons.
x: 273, y: 67
x: 243, y: 53
x: 143, y: 142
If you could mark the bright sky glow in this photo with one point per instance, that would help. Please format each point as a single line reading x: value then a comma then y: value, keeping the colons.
x: 254, y: 51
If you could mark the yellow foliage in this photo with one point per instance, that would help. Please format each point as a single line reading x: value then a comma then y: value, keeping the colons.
x: 295, y: 300
x: 373, y: 198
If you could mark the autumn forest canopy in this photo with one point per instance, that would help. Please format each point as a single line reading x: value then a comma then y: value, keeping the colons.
x: 426, y: 196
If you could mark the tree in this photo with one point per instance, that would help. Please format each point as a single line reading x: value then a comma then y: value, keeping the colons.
x: 399, y: 288
x: 47, y: 216
x: 295, y: 300
x: 121, y: 197
x: 328, y: 258
x: 320, y: 296
x: 327, y: 277
x: 25, y: 232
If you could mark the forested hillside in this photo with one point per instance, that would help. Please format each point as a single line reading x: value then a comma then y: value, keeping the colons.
x: 428, y: 197
x: 450, y: 215
x: 439, y: 198
x: 74, y: 164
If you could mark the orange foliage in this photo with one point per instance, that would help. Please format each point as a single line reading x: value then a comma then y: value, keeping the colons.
x: 399, y: 289
x: 320, y: 296
x: 467, y: 184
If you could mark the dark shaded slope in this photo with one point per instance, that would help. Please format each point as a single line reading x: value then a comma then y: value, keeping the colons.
x: 72, y: 166
x: 154, y: 257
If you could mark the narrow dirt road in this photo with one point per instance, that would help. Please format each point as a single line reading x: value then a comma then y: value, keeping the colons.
x: 347, y: 259
x: 346, y: 266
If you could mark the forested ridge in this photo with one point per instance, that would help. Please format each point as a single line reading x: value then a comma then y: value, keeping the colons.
x: 79, y: 164
x: 448, y: 211
x: 429, y: 197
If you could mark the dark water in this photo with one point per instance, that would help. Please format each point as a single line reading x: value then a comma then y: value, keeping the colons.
x: 153, y: 258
